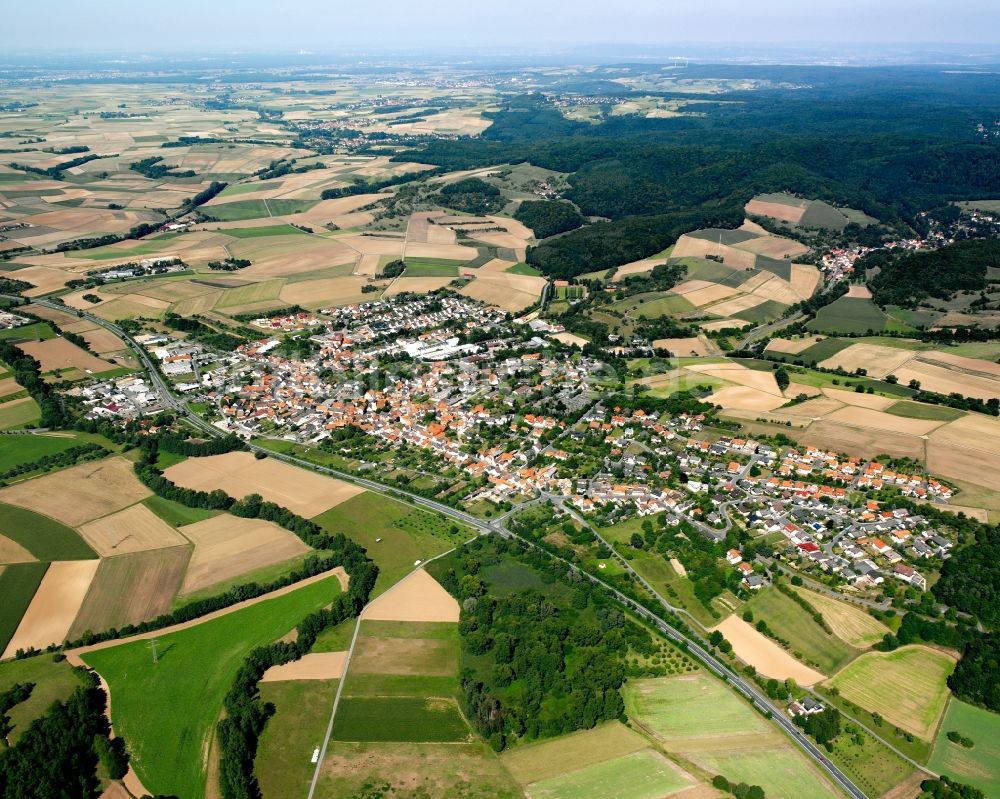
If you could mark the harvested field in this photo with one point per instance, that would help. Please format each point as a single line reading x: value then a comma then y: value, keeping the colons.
x: 508, y: 291
x: 641, y: 775
x: 764, y: 654
x: 135, y: 529
x: 418, y: 597
x: 742, y: 397
x: 707, y: 295
x: 773, y: 247
x: 102, y: 341
x: 59, y: 353
x: 239, y: 474
x: 935, y: 374
x: 44, y: 280
x: 878, y: 361
x: 736, y: 306
x: 873, y: 401
x: 420, y: 656
x: 737, y: 373
x: 81, y: 493
x: 879, y: 420
x: 418, y: 285
x: 282, y: 256
x: 907, y: 687
x: 570, y: 339
x: 311, y: 666
x: 683, y: 347
x: 777, y: 210
x: 865, y: 442
x: 688, y: 246
x: 805, y: 280
x: 334, y: 291
x: 55, y: 605
x: 722, y: 324
x: 539, y: 761
x: 13, y: 552
x: 849, y: 622
x: 862, y: 292
x: 227, y: 546
x: 792, y: 346
x: 967, y: 449
x: 129, y: 589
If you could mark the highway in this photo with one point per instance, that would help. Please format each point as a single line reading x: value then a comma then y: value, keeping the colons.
x: 748, y: 689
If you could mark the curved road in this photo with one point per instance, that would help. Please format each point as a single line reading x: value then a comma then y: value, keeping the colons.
x: 748, y: 689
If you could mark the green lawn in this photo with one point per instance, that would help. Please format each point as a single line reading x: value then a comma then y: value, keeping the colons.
x: 18, y: 583
x: 283, y: 763
x: 43, y: 537
x: 53, y: 682
x: 641, y: 775
x: 167, y: 711
x: 400, y: 718
x: 407, y: 533
x: 18, y: 449
x: 809, y: 642
x: 978, y: 766
x: 266, y: 230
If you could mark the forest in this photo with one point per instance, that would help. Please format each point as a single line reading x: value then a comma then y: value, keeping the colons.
x: 548, y: 217
x: 906, y: 279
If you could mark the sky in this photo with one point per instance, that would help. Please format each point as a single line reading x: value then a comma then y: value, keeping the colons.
x: 426, y: 26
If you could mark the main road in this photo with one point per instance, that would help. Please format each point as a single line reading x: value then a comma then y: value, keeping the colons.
x: 748, y: 689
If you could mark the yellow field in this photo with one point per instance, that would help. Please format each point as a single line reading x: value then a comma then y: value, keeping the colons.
x: 906, y: 687
x: 849, y: 623
x: 135, y: 529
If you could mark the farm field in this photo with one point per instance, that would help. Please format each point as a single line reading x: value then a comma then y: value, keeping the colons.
x: 413, y: 719
x: 18, y: 584
x: 186, y: 687
x: 302, y: 709
x: 906, y: 687
x: 849, y: 315
x: 131, y: 588
x: 765, y: 655
x: 641, y: 775
x: 60, y: 353
x: 135, y: 529
x: 81, y: 493
x: 417, y: 598
x: 809, y: 642
x: 240, y: 474
x: 979, y: 766
x: 45, y: 538
x: 407, y: 534
x: 18, y: 413
x: 699, y: 718
x: 15, y: 450
x: 849, y: 623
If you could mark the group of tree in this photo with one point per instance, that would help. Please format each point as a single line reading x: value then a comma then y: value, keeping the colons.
x: 907, y: 278
x: 944, y: 788
x: 548, y: 217
x: 824, y: 726
x: 471, y: 196
x: 55, y: 172
x: 57, y: 460
x: 27, y: 373
x: 154, y: 169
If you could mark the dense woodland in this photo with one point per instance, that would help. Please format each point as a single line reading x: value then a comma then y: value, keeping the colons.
x: 548, y: 217
x: 906, y: 279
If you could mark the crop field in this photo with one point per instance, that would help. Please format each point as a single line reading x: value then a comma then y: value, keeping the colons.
x: 54, y: 606
x: 401, y: 718
x: 135, y: 529
x: 782, y: 772
x: 249, y: 294
x: 132, y: 588
x: 226, y: 546
x: 167, y: 710
x: 445, y: 771
x: 907, y: 687
x: 262, y: 232
x: 849, y: 623
x: 978, y: 766
x: 641, y: 775
x: 849, y: 315
x: 18, y: 584
x: 81, y: 493
x: 256, y: 209
x: 302, y: 709
x: 239, y: 474
x: 42, y: 536
x: 19, y: 413
x: 417, y: 598
x: 367, y: 517
x: 60, y: 353
x: 15, y: 450
x: 175, y: 514
x: 809, y: 642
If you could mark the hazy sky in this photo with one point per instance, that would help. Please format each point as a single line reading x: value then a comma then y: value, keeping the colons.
x: 332, y: 25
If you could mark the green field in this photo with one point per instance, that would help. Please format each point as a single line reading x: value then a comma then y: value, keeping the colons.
x: 849, y: 315
x: 822, y: 215
x: 870, y: 764
x: 782, y: 772
x: 18, y: 583
x: 53, y: 682
x: 43, y: 537
x: 19, y: 413
x: 37, y: 331
x: 917, y: 410
x: 654, y: 303
x: 149, y: 247
x: 764, y: 312
x: 691, y: 706
x: 906, y: 687
x: 640, y: 775
x: 167, y: 711
x: 539, y: 761
x: 18, y: 449
x: 250, y: 293
x: 257, y: 209
x: 402, y: 718
x: 809, y: 642
x: 819, y: 351
x: 259, y: 232
x: 285, y: 749
x: 523, y: 269
x: 175, y: 514
x: 408, y: 534
x: 423, y: 267
x: 980, y: 765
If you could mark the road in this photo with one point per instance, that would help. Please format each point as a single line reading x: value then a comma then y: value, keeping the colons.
x: 496, y: 526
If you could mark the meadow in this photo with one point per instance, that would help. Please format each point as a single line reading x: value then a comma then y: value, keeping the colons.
x: 849, y: 315
x: 907, y: 687
x: 978, y: 766
x: 53, y: 682
x: 641, y: 775
x: 19, y: 413
x: 16, y: 450
x: 411, y: 719
x: 167, y: 710
x: 850, y: 623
